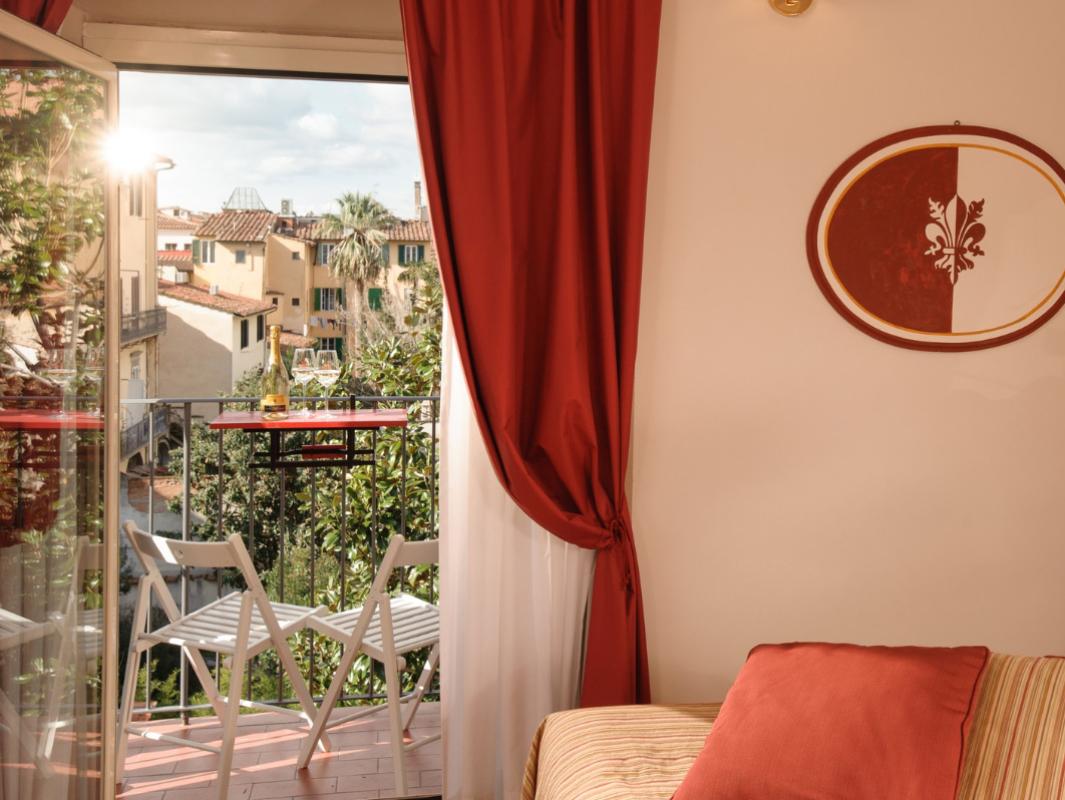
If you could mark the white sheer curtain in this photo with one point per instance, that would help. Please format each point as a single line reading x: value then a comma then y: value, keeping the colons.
x: 513, y: 602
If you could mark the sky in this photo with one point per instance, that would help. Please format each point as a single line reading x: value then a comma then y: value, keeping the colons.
x: 301, y: 139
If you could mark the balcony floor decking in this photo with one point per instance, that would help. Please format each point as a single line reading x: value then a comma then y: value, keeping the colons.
x: 358, y: 767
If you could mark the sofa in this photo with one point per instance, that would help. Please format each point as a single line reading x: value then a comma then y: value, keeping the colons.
x: 1015, y: 748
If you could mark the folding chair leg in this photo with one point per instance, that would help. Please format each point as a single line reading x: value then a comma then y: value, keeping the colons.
x: 125, y: 710
x: 51, y: 714
x: 12, y: 720
x: 303, y: 694
x: 236, y: 684
x: 425, y: 680
x: 393, y: 691
x: 329, y: 702
x: 206, y: 679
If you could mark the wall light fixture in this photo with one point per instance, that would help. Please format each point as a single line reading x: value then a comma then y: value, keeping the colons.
x: 790, y: 8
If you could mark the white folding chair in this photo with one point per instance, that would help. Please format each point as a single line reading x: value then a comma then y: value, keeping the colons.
x: 240, y: 625
x: 16, y: 631
x: 386, y: 628
x: 81, y: 632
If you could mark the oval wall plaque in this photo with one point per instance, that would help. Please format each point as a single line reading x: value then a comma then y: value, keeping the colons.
x: 942, y: 238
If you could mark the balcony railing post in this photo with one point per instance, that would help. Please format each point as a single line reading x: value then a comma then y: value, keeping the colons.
x: 186, y: 524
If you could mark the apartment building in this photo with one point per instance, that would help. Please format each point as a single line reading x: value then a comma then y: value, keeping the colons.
x: 283, y: 259
x: 225, y: 332
x: 143, y: 320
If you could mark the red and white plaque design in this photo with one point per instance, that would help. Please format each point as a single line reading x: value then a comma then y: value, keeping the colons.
x: 943, y: 238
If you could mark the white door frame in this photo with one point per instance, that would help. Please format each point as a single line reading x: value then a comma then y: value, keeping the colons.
x: 156, y: 47
x: 17, y: 30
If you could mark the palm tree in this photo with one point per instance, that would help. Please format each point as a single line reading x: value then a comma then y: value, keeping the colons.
x: 359, y: 257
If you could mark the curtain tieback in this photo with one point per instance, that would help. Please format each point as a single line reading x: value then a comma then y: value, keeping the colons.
x: 621, y: 535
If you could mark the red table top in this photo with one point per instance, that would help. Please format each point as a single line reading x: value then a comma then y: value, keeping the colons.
x: 316, y: 420
x: 45, y: 420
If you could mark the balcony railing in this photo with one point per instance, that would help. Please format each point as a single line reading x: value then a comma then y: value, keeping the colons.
x: 316, y: 534
x: 143, y: 324
x: 150, y: 427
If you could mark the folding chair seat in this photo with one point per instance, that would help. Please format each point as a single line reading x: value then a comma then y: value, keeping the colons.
x: 415, y: 626
x: 385, y: 628
x: 214, y: 627
x: 240, y: 625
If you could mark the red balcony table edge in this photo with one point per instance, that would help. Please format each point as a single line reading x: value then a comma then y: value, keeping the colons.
x: 46, y: 420
x: 317, y: 420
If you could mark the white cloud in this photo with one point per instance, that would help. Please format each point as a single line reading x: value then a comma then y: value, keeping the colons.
x: 306, y: 140
x: 319, y: 125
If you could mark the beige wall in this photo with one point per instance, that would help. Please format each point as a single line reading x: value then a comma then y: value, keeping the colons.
x: 200, y: 351
x: 793, y: 478
x: 247, y: 279
x: 289, y: 278
x: 137, y: 233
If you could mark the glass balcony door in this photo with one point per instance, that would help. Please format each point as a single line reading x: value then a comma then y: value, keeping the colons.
x: 60, y: 302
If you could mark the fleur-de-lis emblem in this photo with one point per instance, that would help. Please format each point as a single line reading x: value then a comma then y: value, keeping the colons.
x: 955, y: 234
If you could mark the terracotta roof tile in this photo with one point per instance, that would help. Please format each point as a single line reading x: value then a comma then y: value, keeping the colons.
x: 178, y: 258
x: 238, y: 226
x: 223, y: 301
x: 165, y: 222
x: 410, y: 230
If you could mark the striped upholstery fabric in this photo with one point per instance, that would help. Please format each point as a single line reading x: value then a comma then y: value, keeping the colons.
x: 1016, y: 745
x: 615, y: 753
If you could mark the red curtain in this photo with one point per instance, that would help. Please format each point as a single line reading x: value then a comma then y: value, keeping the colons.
x: 48, y: 14
x: 534, y: 119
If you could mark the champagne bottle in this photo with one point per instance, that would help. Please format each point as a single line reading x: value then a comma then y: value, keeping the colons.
x: 274, y: 402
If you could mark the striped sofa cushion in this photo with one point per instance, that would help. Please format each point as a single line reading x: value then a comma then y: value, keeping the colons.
x: 1016, y: 745
x: 616, y: 753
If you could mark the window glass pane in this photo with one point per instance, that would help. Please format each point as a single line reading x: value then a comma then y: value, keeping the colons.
x: 52, y: 363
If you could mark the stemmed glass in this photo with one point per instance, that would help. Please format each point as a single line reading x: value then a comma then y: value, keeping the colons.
x: 94, y: 374
x: 303, y: 373
x: 327, y: 371
x: 60, y: 368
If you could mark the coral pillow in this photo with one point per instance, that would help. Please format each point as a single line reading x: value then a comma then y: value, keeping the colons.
x: 841, y: 722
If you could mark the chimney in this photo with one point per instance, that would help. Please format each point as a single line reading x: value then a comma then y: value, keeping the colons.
x: 417, y: 199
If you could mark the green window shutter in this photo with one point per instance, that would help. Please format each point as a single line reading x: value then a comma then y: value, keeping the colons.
x: 340, y: 350
x: 402, y: 254
x: 373, y: 296
x: 385, y: 254
x: 421, y: 252
x: 195, y: 251
x: 317, y: 299
x: 340, y: 297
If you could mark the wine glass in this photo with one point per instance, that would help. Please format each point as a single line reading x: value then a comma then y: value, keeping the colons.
x: 327, y: 371
x: 59, y: 367
x: 94, y: 374
x: 303, y: 373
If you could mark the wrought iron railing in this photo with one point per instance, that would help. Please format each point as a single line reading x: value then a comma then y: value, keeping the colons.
x: 143, y: 324
x: 315, y: 534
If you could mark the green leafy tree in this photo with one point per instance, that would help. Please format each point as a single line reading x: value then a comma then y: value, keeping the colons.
x: 427, y: 294
x: 51, y: 195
